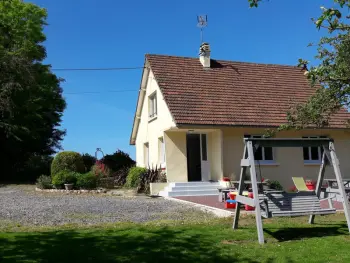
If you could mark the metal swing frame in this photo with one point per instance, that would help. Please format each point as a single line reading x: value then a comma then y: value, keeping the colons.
x: 329, y: 157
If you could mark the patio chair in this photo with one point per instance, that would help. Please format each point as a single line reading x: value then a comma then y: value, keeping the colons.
x: 300, y: 184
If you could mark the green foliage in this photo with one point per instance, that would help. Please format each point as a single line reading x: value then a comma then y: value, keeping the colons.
x: 71, y: 178
x: 86, y: 181
x: 134, y: 176
x: 44, y: 182
x: 118, y: 160
x: 58, y: 180
x: 64, y: 177
x: 67, y: 161
x: 88, y: 160
x: 180, y: 236
x: 331, y: 76
x: 275, y: 185
x: 31, y: 102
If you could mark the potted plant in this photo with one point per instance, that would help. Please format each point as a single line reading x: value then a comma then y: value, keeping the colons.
x: 70, y: 180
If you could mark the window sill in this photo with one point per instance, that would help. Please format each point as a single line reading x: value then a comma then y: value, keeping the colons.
x: 150, y: 119
x: 312, y: 164
x: 263, y: 163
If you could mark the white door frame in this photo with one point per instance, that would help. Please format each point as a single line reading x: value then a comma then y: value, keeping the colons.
x: 205, y: 164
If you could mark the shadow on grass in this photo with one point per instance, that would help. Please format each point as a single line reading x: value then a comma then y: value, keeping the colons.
x: 125, y: 245
x: 293, y: 233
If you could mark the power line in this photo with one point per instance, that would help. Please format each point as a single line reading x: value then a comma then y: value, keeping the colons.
x: 94, y: 69
x: 99, y: 92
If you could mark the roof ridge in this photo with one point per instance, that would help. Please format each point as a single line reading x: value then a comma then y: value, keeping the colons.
x: 224, y: 60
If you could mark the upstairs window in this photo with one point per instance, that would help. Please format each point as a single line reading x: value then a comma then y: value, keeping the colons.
x: 152, y: 105
x: 261, y: 153
x: 313, y: 154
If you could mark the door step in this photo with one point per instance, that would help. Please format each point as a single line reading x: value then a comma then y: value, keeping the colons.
x: 191, y: 189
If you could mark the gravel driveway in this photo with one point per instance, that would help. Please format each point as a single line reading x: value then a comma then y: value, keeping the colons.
x: 22, y: 205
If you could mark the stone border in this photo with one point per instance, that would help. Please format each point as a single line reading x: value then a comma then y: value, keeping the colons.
x: 98, y: 191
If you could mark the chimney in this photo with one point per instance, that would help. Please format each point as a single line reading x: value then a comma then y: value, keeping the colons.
x: 204, y: 55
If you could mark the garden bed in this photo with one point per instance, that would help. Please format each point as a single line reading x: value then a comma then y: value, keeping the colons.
x: 95, y: 191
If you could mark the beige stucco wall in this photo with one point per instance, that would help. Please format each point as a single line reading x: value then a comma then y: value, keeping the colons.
x: 289, y: 161
x: 176, y: 156
x: 150, y: 131
x: 215, y: 151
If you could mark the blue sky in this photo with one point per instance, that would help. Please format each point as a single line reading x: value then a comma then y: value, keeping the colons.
x: 115, y: 33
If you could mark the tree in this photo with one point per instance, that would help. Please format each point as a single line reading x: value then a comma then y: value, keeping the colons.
x: 31, y: 102
x: 89, y: 161
x: 118, y: 160
x: 332, y: 76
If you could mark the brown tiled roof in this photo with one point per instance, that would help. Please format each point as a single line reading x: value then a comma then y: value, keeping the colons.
x: 232, y: 93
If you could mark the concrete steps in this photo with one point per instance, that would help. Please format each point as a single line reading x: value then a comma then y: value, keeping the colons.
x: 191, y: 189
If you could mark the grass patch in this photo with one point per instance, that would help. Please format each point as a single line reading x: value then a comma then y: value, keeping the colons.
x: 288, y: 240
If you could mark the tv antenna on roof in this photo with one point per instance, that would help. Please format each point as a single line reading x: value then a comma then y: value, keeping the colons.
x: 202, y: 23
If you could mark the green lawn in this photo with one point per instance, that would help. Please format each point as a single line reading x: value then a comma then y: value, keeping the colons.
x: 288, y: 240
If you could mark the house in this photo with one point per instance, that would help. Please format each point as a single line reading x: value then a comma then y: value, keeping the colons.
x: 192, y: 115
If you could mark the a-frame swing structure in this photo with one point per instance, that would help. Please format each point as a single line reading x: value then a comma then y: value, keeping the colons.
x: 278, y: 203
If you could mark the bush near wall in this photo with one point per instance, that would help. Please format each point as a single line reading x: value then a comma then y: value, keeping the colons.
x: 86, y: 181
x: 134, y: 176
x: 67, y: 161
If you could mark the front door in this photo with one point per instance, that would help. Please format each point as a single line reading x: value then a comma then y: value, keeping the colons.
x: 194, y: 171
x: 198, y: 166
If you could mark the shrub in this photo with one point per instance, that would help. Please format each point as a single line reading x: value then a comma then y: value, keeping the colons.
x: 275, y: 185
x: 134, y: 176
x: 44, y: 182
x: 64, y: 177
x: 59, y: 178
x: 105, y: 182
x: 151, y: 175
x: 120, y: 176
x: 86, y: 181
x: 71, y: 178
x: 100, y: 170
x: 89, y: 161
x: 67, y: 161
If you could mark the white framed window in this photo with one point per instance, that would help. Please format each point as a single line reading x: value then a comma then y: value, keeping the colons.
x: 146, y: 154
x: 152, y: 105
x: 161, y: 150
x: 313, y: 154
x: 264, y: 154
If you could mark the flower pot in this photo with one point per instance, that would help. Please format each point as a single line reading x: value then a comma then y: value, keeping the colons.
x: 68, y: 186
x: 311, y: 186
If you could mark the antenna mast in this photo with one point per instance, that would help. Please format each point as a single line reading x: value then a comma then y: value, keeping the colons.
x: 202, y: 23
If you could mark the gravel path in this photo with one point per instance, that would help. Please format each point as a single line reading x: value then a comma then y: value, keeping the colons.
x: 22, y: 205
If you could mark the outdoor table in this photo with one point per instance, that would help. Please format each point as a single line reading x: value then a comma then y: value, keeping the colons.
x: 333, y: 183
x: 224, y: 193
x: 332, y: 188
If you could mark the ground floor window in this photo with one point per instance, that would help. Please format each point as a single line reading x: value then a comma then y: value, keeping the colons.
x: 313, y: 154
x: 262, y: 153
x: 146, y: 154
